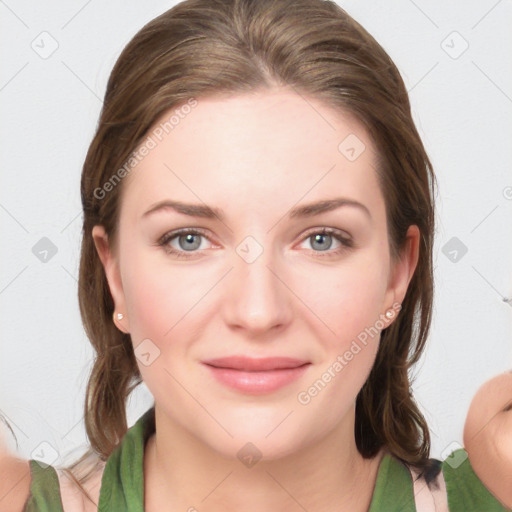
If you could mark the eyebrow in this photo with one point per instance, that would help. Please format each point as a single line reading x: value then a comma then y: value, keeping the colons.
x: 207, y: 212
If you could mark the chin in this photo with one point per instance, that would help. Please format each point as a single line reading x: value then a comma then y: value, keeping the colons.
x: 250, y: 450
x: 279, y: 436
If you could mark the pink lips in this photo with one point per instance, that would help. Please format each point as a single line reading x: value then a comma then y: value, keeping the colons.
x: 256, y: 376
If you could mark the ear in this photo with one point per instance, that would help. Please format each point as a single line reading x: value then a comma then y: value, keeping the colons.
x: 402, y: 270
x: 113, y: 274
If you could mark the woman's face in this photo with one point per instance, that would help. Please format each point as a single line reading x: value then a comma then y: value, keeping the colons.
x: 252, y: 279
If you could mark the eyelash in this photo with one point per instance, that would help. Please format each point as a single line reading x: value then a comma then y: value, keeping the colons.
x: 346, y: 243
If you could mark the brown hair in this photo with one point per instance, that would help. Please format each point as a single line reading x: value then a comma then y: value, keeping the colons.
x: 203, y: 48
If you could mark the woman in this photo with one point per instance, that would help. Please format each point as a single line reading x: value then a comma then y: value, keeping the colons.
x: 257, y: 248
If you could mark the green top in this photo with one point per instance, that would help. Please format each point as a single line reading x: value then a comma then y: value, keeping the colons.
x: 122, y: 484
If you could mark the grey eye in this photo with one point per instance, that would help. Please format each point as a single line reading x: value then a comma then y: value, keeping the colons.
x: 320, y: 243
x: 189, y: 244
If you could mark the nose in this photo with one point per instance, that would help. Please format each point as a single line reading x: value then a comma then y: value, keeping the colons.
x: 257, y: 298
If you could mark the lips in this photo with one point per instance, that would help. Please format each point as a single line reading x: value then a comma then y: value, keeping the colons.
x: 253, y: 376
x: 249, y: 364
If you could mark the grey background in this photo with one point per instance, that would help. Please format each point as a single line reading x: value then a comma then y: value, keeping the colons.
x: 50, y: 102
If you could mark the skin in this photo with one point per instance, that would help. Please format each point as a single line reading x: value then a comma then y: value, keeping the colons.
x: 488, y: 436
x: 255, y: 156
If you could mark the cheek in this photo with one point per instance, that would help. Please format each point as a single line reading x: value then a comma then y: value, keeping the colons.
x: 349, y: 303
x: 348, y: 299
x: 163, y: 304
x: 160, y: 298
x: 149, y: 304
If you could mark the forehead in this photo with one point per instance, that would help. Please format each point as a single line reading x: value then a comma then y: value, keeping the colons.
x: 247, y: 149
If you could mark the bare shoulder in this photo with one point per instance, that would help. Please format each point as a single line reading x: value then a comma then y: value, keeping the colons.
x: 14, y: 483
x: 73, y: 498
x: 488, y: 436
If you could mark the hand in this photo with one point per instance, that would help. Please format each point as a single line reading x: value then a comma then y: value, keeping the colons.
x: 488, y: 436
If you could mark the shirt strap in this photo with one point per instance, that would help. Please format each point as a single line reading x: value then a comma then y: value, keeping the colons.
x: 429, y: 499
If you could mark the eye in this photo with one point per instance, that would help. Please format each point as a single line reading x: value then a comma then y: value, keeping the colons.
x: 322, y: 239
x: 187, y: 241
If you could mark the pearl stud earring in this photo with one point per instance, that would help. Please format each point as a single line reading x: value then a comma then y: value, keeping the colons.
x: 119, y: 316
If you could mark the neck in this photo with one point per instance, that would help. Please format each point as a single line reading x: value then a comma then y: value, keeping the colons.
x: 181, y: 473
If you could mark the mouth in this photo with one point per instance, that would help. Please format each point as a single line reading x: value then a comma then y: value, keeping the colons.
x: 250, y: 364
x: 256, y: 376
